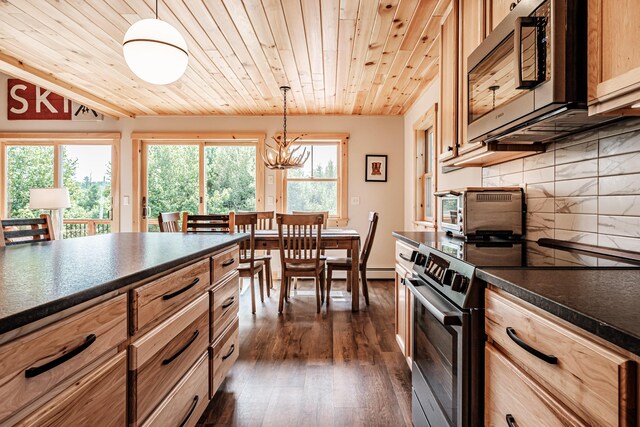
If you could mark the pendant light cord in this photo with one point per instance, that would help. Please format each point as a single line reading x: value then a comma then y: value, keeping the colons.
x: 285, y: 117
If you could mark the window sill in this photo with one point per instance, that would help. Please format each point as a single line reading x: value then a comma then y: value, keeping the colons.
x: 425, y: 224
x: 337, y: 222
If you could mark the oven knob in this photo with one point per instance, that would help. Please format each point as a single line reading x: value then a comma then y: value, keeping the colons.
x: 458, y: 282
x: 448, y: 277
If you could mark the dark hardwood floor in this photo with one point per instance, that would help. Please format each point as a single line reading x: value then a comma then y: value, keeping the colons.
x: 306, y: 369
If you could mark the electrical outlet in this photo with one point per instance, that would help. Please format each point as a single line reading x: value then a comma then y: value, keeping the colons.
x: 270, y: 179
x: 270, y: 200
x: 355, y: 201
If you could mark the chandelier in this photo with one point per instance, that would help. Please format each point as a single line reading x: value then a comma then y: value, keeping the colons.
x: 282, y: 153
x: 155, y: 51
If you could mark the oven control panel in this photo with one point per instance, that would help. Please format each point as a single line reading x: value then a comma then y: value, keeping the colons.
x: 436, y: 268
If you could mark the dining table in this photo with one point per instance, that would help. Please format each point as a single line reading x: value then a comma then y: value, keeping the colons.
x: 330, y: 239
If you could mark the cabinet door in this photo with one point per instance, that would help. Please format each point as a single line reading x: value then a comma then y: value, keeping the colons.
x: 471, y: 35
x: 496, y: 10
x: 401, y: 308
x: 614, y: 59
x: 448, y: 112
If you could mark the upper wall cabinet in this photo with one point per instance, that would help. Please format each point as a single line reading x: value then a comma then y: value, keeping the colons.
x: 614, y: 57
x: 471, y: 34
x: 495, y: 10
x: 448, y: 113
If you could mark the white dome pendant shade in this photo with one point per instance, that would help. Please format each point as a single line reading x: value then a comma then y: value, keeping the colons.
x: 155, y: 51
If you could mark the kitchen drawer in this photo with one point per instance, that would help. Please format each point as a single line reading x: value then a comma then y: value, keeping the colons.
x: 97, y: 399
x: 225, y: 303
x: 160, y: 358
x: 186, y: 402
x: 157, y: 300
x: 34, y: 364
x: 223, y: 354
x: 224, y: 262
x: 510, y: 393
x: 403, y: 255
x: 589, y: 378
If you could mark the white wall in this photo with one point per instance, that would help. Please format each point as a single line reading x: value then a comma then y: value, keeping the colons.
x: 368, y: 135
x: 467, y: 177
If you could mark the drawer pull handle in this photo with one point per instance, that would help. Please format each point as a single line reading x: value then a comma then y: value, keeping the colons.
x: 34, y: 372
x: 179, y: 291
x: 511, y: 422
x: 191, y: 409
x: 231, y: 350
x: 228, y: 262
x: 228, y: 302
x: 552, y: 360
x: 404, y: 257
x: 179, y: 352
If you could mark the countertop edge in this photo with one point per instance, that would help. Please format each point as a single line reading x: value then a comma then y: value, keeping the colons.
x: 50, y: 308
x: 598, y: 328
x: 405, y: 239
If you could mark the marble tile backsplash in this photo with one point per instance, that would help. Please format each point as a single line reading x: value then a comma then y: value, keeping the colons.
x: 585, y: 188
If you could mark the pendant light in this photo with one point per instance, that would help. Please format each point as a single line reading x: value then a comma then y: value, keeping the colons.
x: 155, y: 51
x: 282, y: 153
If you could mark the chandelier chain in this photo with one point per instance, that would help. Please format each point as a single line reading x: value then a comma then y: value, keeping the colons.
x: 284, y: 127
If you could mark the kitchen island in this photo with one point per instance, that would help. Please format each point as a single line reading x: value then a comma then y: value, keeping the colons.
x: 118, y: 329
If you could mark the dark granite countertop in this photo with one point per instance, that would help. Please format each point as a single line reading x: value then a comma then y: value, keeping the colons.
x: 40, y: 279
x: 603, y: 301
x: 415, y: 238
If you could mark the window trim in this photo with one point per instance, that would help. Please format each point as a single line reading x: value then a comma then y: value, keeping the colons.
x: 341, y: 140
x: 140, y: 139
x: 424, y: 123
x: 57, y: 140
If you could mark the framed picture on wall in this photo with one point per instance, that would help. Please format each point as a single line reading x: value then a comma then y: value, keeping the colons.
x: 376, y: 168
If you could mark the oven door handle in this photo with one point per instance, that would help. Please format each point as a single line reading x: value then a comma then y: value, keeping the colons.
x: 437, y: 308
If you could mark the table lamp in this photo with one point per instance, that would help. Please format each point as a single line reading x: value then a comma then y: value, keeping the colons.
x: 53, y: 199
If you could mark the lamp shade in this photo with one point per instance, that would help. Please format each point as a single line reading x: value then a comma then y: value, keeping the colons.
x: 49, y: 198
x: 155, y: 51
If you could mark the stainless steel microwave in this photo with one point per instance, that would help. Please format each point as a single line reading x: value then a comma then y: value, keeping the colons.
x: 527, y: 81
x: 483, y: 212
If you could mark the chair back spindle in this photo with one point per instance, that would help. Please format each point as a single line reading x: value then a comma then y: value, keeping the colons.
x: 169, y: 222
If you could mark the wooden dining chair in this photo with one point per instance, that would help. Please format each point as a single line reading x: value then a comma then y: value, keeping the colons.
x: 212, y: 223
x: 249, y: 266
x: 265, y: 222
x: 299, y: 237
x: 28, y: 230
x: 325, y: 224
x: 344, y: 264
x: 169, y: 222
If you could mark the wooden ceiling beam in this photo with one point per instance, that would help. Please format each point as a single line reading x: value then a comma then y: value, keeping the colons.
x: 16, y: 68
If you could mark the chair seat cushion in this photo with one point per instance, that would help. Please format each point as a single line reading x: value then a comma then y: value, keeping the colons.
x: 247, y: 266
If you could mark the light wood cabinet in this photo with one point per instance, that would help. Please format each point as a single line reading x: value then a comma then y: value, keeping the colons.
x: 496, y: 10
x: 153, y: 302
x: 448, y: 105
x: 613, y: 57
x: 596, y: 383
x: 36, y: 363
x: 471, y: 34
x: 223, y: 354
x: 160, y: 358
x: 225, y: 303
x: 403, y: 300
x: 98, y: 399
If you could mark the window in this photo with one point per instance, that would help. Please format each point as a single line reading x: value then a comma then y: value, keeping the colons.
x: 321, y: 185
x: 81, y: 163
x: 425, y: 177
x: 205, y: 174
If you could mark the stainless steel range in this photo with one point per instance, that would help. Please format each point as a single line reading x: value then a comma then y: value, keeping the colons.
x: 448, y: 318
x: 448, y: 341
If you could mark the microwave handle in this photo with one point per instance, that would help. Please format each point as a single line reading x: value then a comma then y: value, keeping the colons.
x: 446, y: 193
x: 528, y: 22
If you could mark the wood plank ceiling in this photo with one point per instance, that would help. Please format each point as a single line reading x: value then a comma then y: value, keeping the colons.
x: 339, y: 56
